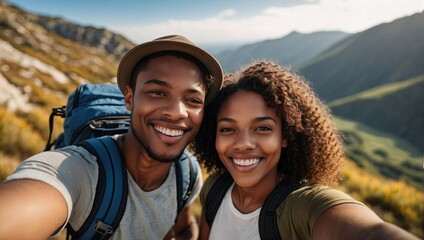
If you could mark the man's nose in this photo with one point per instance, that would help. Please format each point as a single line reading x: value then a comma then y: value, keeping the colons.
x: 176, y: 110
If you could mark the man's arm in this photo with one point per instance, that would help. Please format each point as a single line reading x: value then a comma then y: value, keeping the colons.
x: 30, y: 209
x: 186, y: 226
x: 355, y: 221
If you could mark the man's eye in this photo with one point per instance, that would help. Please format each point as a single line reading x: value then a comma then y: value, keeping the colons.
x: 195, y: 101
x: 157, y: 93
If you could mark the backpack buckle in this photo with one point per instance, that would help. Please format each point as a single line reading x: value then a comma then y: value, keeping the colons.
x: 187, y: 195
x: 103, y: 228
x: 60, y: 111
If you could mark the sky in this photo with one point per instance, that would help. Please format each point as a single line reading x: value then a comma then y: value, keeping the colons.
x: 223, y: 22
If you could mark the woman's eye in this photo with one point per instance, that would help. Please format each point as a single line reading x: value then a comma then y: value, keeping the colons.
x: 263, y: 129
x: 224, y: 130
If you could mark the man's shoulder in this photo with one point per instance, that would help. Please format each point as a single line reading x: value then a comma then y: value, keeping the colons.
x: 72, y: 153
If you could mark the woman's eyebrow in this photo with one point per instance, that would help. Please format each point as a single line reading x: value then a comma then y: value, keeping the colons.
x: 264, y: 118
x: 258, y: 119
x: 225, y: 119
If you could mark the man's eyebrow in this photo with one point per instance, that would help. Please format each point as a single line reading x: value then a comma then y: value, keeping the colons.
x: 167, y: 85
x: 157, y: 82
x: 195, y: 90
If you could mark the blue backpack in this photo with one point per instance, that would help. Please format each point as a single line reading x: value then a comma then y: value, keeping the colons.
x: 92, y: 110
x: 93, y: 113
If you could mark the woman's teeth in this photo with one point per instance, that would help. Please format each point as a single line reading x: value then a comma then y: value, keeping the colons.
x: 246, y: 162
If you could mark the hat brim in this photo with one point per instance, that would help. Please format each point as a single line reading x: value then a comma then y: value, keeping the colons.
x: 132, y: 57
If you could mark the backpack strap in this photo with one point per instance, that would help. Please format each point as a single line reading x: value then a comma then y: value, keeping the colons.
x: 216, y: 195
x: 111, y: 191
x: 268, y: 226
x: 186, y: 175
x: 60, y: 111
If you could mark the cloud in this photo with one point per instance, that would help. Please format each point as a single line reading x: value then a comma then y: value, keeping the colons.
x: 273, y: 22
x: 226, y: 13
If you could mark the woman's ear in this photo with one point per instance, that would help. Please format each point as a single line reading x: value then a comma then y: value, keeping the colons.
x: 129, y: 93
x: 284, y: 142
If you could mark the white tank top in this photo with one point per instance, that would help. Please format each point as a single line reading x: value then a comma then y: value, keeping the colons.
x: 230, y: 223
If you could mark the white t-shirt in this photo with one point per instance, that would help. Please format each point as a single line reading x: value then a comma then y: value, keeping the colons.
x: 230, y: 223
x: 73, y: 171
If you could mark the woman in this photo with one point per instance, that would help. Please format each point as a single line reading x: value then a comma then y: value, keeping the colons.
x: 269, y: 127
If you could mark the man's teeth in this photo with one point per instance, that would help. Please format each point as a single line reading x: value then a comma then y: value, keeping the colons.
x: 246, y: 162
x: 169, y: 132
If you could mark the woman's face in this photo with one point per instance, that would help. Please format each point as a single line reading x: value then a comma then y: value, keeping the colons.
x: 249, y: 139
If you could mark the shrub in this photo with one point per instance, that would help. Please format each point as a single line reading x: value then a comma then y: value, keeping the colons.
x: 18, y: 137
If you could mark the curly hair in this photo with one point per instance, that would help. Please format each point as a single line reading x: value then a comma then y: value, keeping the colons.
x: 314, y: 151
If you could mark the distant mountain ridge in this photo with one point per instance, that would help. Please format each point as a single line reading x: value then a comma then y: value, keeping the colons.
x: 292, y: 50
x: 383, y: 54
x: 110, y: 42
x: 379, y: 57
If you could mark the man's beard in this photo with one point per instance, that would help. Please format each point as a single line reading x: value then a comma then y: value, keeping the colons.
x: 150, y: 152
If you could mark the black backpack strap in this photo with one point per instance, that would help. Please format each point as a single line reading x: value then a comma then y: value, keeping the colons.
x: 60, y: 111
x: 111, y: 191
x: 216, y: 195
x: 186, y: 175
x: 268, y: 226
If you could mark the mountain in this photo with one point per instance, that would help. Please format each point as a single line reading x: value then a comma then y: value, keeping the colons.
x: 357, y: 64
x: 293, y: 49
x: 364, y: 77
x: 395, y: 108
x: 43, y: 58
x: 106, y: 40
x: 386, y: 53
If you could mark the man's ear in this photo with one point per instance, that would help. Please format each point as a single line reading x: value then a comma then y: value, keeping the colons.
x: 129, y: 93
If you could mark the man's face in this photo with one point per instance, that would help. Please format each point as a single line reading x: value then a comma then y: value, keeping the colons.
x: 167, y: 106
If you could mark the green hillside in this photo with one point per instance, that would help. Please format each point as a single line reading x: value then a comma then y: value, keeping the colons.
x: 382, y: 154
x: 396, y: 108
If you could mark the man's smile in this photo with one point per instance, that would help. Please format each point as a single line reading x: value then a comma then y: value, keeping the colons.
x: 168, y: 132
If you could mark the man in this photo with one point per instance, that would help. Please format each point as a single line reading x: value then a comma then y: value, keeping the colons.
x: 166, y: 83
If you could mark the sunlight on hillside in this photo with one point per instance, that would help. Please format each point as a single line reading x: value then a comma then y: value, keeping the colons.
x: 381, y: 153
x: 394, y: 201
x: 377, y: 92
x: 18, y: 137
